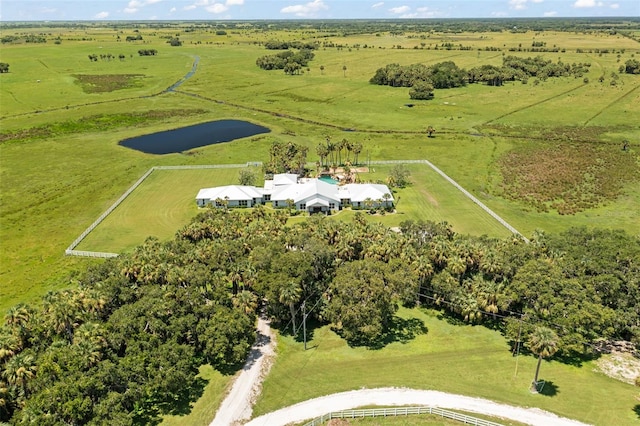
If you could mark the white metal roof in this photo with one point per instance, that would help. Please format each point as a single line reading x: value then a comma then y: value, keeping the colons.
x: 359, y: 192
x: 231, y: 192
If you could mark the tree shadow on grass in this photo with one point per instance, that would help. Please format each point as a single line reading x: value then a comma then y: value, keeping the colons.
x: 186, y: 398
x: 575, y: 359
x: 401, y: 330
x: 636, y: 410
x: 548, y: 389
x: 311, y: 326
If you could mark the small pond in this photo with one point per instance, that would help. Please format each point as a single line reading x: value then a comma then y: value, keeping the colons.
x: 186, y: 138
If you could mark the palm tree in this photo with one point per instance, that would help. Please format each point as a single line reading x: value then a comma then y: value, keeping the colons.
x: 344, y: 70
x: 322, y: 152
x: 321, y: 69
x: 10, y: 344
x: 289, y: 295
x: 18, y: 316
x: 19, y: 369
x: 544, y: 343
x: 357, y: 149
x: 246, y: 300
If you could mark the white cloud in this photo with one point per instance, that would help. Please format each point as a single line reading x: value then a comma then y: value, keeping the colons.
x: 400, y: 10
x: 518, y: 4
x: 614, y: 6
x: 537, y: 1
x: 173, y: 9
x: 101, y: 15
x: 134, y: 5
x: 216, y: 8
x: 234, y: 2
x: 377, y: 5
x: 550, y: 14
x: 584, y: 3
x: 305, y: 10
x: 499, y: 14
x: 190, y: 7
x: 424, y: 12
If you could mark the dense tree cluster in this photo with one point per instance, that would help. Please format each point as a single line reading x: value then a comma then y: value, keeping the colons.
x: 289, y: 61
x: 136, y: 37
x: 123, y: 346
x: 445, y: 75
x: 4, y: 67
x: 632, y: 66
x: 284, y: 45
x: 287, y: 157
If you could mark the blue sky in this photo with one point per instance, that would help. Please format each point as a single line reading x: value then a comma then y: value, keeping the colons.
x: 40, y: 10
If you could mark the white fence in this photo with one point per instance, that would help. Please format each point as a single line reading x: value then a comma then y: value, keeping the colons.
x: 464, y: 191
x: 70, y: 250
x: 400, y: 411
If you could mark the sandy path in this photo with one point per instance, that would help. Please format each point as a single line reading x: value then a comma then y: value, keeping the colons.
x: 238, y: 404
x: 396, y: 396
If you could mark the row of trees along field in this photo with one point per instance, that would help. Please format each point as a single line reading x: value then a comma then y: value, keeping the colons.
x: 124, y: 343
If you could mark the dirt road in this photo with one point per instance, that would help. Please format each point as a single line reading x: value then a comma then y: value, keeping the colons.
x: 397, y: 396
x: 237, y: 406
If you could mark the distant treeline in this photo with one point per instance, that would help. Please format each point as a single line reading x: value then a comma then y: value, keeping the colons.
x: 284, y: 45
x: 624, y: 25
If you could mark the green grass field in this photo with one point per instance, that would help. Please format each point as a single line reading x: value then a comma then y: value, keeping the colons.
x: 52, y: 188
x: 462, y: 359
x: 163, y: 203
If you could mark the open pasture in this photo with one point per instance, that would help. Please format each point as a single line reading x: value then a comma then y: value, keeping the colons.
x: 53, y: 187
x: 447, y: 356
x: 162, y: 204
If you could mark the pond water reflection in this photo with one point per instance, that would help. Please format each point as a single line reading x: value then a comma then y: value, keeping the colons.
x: 186, y: 138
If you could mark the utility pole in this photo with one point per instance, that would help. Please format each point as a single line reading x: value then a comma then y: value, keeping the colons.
x: 518, y: 347
x: 304, y: 324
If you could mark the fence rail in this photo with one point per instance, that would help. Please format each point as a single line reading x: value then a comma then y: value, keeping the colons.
x: 461, y: 189
x: 400, y: 411
x: 70, y: 250
x: 89, y: 253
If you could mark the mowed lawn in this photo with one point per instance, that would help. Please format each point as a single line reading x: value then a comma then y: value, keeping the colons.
x: 159, y: 207
x: 451, y: 357
x: 165, y: 202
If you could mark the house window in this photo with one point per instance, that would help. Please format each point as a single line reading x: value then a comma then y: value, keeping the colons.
x: 242, y: 203
x: 332, y: 206
x: 345, y: 201
x: 303, y: 206
x: 275, y: 204
x: 267, y: 197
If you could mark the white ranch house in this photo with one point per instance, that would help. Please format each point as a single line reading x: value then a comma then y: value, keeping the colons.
x: 311, y: 195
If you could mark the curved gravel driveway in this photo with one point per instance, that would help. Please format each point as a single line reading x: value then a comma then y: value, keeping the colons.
x: 397, y: 396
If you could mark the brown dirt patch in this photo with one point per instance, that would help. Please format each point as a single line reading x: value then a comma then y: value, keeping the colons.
x: 620, y: 366
x: 567, y: 177
x: 108, y: 82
